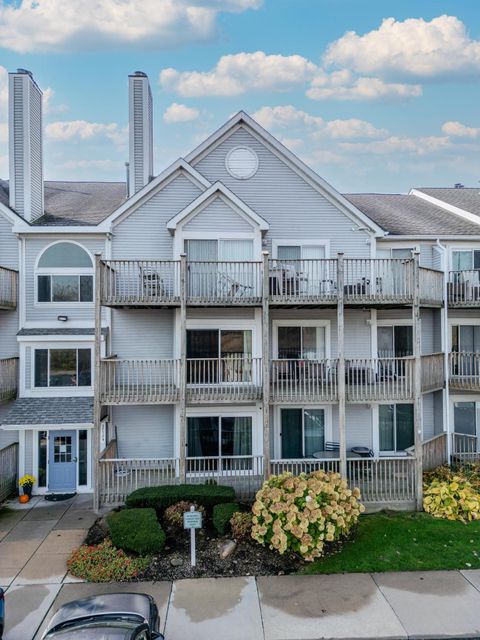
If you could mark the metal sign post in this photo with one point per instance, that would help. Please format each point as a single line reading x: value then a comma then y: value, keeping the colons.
x: 192, y: 520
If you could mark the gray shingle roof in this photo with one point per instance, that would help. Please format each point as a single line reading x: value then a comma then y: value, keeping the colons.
x: 466, y: 198
x: 47, y: 411
x: 59, y: 332
x: 410, y: 215
x: 76, y: 203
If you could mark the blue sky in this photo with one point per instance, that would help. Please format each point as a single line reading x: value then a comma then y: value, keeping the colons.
x: 374, y: 95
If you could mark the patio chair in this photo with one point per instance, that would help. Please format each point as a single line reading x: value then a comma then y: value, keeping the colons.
x: 230, y: 288
x: 152, y: 283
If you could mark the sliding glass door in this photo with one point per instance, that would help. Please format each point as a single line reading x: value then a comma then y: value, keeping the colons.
x: 217, y: 356
x: 302, y: 432
x: 222, y: 438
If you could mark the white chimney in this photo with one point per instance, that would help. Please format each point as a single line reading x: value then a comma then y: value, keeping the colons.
x: 140, y: 131
x: 25, y: 145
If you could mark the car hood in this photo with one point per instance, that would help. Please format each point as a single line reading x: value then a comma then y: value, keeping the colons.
x: 125, y: 603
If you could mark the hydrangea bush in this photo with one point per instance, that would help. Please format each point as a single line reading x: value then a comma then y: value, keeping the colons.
x: 302, y: 513
x: 453, y: 499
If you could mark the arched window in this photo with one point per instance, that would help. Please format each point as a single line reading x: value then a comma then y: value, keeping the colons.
x: 65, y: 274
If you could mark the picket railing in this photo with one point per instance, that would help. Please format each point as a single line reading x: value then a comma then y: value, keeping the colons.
x: 378, y: 280
x: 140, y: 282
x: 383, y: 480
x: 302, y: 281
x: 464, y: 371
x: 219, y: 283
x: 465, y: 448
x: 8, y: 288
x: 8, y: 470
x: 369, y: 379
x: 304, y: 380
x: 231, y: 378
x: 434, y: 451
x: 463, y: 288
x: 139, y: 381
x: 431, y: 286
x: 8, y: 378
x: 432, y: 372
x: 244, y: 473
x: 304, y: 465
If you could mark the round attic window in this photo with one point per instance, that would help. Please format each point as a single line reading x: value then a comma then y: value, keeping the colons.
x: 241, y: 163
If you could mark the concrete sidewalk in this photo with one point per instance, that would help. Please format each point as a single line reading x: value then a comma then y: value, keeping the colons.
x: 443, y: 604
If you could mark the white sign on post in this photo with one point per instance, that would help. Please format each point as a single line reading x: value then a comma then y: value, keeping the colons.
x: 192, y: 520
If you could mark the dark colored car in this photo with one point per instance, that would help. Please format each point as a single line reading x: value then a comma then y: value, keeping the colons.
x: 2, y: 612
x: 113, y: 616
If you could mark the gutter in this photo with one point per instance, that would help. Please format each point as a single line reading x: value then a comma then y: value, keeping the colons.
x: 435, y: 239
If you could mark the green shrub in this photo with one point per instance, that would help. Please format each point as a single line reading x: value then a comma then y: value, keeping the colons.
x: 453, y: 499
x: 104, y: 563
x: 173, y: 515
x: 301, y: 513
x: 159, y: 498
x: 222, y: 514
x: 136, y: 530
x: 241, y: 525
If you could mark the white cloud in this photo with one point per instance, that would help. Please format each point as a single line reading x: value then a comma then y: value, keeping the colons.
x: 236, y: 74
x: 83, y: 130
x: 412, y: 48
x: 288, y: 117
x: 399, y: 144
x: 180, y: 113
x: 325, y: 87
x: 59, y: 25
x: 459, y: 130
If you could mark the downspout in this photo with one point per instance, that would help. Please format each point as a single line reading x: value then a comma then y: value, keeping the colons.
x: 445, y: 348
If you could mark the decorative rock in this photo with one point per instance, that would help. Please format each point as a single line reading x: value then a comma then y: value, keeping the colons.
x: 176, y: 561
x: 227, y: 548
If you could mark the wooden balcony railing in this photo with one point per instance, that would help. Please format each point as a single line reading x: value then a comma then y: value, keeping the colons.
x: 463, y: 288
x: 304, y: 465
x: 369, y: 379
x: 8, y: 288
x: 139, y: 381
x: 302, y: 281
x: 8, y: 378
x: 433, y: 372
x: 218, y: 283
x: 465, y: 448
x: 240, y: 283
x: 8, y: 470
x: 464, y: 371
x: 383, y: 480
x: 434, y: 451
x: 230, y: 378
x: 304, y: 380
x: 140, y: 282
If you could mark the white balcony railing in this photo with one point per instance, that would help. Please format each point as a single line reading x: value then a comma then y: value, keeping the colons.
x: 464, y: 371
x: 378, y: 280
x: 383, y: 480
x: 304, y: 465
x: 8, y: 378
x: 463, y: 288
x: 235, y: 283
x: 140, y: 282
x: 302, y: 281
x: 369, y: 379
x: 139, y: 381
x: 304, y: 380
x: 465, y: 448
x: 230, y: 378
x: 8, y: 288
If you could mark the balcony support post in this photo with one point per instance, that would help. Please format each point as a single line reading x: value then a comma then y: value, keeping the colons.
x: 341, y: 364
x: 183, y: 368
x: 417, y: 384
x: 266, y: 365
x: 97, y: 407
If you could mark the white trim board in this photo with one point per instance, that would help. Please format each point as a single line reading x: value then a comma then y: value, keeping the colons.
x: 462, y: 213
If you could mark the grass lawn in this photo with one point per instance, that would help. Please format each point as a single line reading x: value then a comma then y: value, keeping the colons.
x: 405, y: 541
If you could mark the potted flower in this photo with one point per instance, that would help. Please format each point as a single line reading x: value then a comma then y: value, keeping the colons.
x: 27, y: 482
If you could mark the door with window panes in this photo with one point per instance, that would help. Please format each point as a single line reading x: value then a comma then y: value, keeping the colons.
x: 62, y: 461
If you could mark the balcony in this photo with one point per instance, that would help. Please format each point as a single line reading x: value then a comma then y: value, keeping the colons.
x: 463, y: 288
x: 304, y: 380
x: 160, y: 283
x: 8, y: 289
x: 229, y: 379
x: 465, y: 448
x: 139, y: 381
x: 376, y: 379
x: 8, y: 379
x: 464, y: 371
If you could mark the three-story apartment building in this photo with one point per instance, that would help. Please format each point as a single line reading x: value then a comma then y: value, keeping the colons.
x: 232, y: 317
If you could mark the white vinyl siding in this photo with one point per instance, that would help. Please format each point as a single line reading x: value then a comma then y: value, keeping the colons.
x: 144, y: 431
x: 218, y: 216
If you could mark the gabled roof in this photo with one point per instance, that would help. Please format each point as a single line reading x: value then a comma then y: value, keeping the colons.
x: 203, y: 199
x: 401, y: 214
x: 466, y: 198
x: 293, y: 161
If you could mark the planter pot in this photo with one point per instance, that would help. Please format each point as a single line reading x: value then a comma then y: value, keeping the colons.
x: 27, y: 490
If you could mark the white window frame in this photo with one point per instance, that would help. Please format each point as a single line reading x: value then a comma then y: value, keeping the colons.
x: 87, y: 488
x: 463, y: 321
x: 376, y: 432
x: 325, y: 324
x: 405, y: 322
x: 473, y: 246
x: 293, y: 242
x: 475, y: 398
x: 63, y: 271
x: 277, y: 439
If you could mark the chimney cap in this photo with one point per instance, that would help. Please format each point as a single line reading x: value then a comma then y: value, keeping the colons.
x: 140, y: 74
x: 26, y: 71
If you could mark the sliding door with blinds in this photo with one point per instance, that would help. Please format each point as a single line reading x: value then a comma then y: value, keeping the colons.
x: 305, y: 343
x: 217, y: 356
x: 466, y: 338
x: 302, y: 432
x: 395, y: 342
